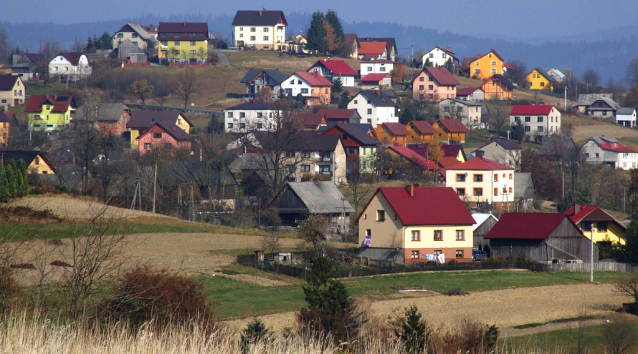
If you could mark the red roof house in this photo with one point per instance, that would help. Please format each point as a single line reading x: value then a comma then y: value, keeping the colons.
x: 451, y: 129
x: 163, y: 135
x: 419, y: 160
x: 534, y: 110
x: 606, y: 228
x: 372, y: 50
x: 334, y: 67
x: 434, y: 84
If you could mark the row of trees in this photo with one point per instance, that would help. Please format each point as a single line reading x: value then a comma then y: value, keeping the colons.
x: 13, y: 180
x: 325, y: 34
x: 95, y: 43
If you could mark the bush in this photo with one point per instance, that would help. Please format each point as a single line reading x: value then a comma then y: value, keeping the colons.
x: 414, y: 331
x: 470, y: 337
x: 255, y: 332
x: 8, y: 288
x: 239, y: 218
x: 456, y: 292
x: 160, y: 298
x: 619, y: 336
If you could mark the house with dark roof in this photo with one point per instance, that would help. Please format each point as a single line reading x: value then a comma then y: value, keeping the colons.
x: 361, y: 148
x: 586, y: 99
x: 558, y: 149
x: 335, y: 70
x: 450, y: 130
x: 71, y: 66
x: 374, y: 107
x: 50, y: 112
x: 507, y: 152
x: 340, y: 116
x: 25, y: 65
x: 434, y: 84
x: 108, y: 118
x: 415, y: 224
x: 299, y: 200
x: 36, y: 161
x: 143, y: 120
x: 164, y: 136
x: 12, y: 91
x: 260, y: 29
x: 594, y: 221
x: 439, y: 56
x: 315, y: 88
x: 483, y: 225
x: 421, y: 132
x: 393, y: 134
x: 351, y: 45
x: 468, y: 112
x: 626, y: 116
x: 497, y: 87
x: 544, y: 237
x: 134, y: 33
x: 479, y: 181
x: 470, y: 94
x: 249, y: 116
x: 256, y: 79
x: 539, y: 79
x: 487, y: 65
x: 313, y: 121
x: 389, y: 50
x: 603, y: 107
x: 182, y: 41
x: 609, y: 152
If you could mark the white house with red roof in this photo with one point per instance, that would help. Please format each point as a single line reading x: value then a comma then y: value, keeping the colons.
x: 594, y: 220
x: 439, y: 56
x: 71, y: 66
x: 415, y: 224
x: 470, y: 94
x: 315, y: 88
x: 335, y: 69
x: 381, y: 66
x: 537, y: 120
x: 480, y: 181
x: 610, y: 152
x: 372, y: 50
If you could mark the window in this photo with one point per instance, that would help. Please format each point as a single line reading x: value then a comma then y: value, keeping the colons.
x: 252, y: 38
x: 527, y: 128
x: 259, y: 125
x: 266, y: 29
x: 495, y: 177
x: 437, y: 252
x: 490, y: 55
x: 421, y: 79
x: 539, y: 119
x: 528, y: 119
x: 586, y: 225
x: 193, y: 52
x: 230, y: 125
x: 193, y: 34
x: 290, y: 168
x: 290, y: 154
x: 430, y: 78
x: 260, y: 115
x: 305, y: 168
x: 510, y: 190
x: 540, y: 129
x: 478, y: 178
x: 242, y: 125
x: 460, y: 177
x: 496, y: 192
x: 597, y: 155
x: 602, y: 226
x: 193, y: 43
x: 176, y: 42
x: 120, y: 35
x: 305, y: 154
x: 431, y: 55
x: 241, y: 35
x: 230, y: 114
x: 242, y: 114
x: 478, y: 192
x: 430, y: 87
x: 511, y: 175
x: 369, y: 68
x: 416, y: 235
x: 460, y: 192
x: 604, y: 113
x: 493, y: 62
x: 380, y: 215
x: 253, y: 29
x: 369, y: 110
x: 147, y: 146
x: 438, y: 235
x: 493, y: 71
x: 542, y: 84
x: 477, y: 63
x: 157, y: 135
x: 421, y: 87
x: 460, y: 235
x: 176, y: 35
x: 176, y: 52
x: 265, y: 38
x: 382, y: 68
x: 304, y: 90
x: 298, y: 82
x: 459, y: 253
x: 415, y: 254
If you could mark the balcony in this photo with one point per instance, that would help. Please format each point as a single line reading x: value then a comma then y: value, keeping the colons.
x: 324, y: 159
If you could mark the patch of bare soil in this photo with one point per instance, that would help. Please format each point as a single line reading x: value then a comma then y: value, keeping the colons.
x: 253, y: 279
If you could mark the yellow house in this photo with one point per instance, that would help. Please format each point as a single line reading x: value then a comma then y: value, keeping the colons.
x: 607, y: 230
x: 415, y: 224
x: 183, y: 41
x: 538, y: 79
x: 49, y: 112
x: 421, y: 132
x: 451, y: 130
x: 35, y: 161
x: 143, y: 120
x: 392, y: 134
x: 485, y: 66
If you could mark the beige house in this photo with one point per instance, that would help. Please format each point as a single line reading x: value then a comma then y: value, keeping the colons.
x: 507, y: 152
x: 12, y: 91
x: 415, y: 224
x: 264, y: 30
x: 136, y: 34
x: 479, y: 181
x: 468, y: 112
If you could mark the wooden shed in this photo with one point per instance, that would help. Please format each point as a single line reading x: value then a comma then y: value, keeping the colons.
x: 484, y: 223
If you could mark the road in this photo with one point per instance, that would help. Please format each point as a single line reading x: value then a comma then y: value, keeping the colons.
x: 222, y: 59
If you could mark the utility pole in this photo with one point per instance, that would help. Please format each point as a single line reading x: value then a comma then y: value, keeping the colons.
x: 192, y: 204
x: 591, y: 260
x: 154, y: 186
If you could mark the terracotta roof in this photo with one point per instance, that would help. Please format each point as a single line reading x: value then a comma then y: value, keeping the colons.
x: 481, y: 164
x: 509, y: 65
x: 311, y: 120
x: 374, y: 77
x: 337, y: 67
x: 6, y: 117
x: 390, y: 43
x: 72, y: 57
x: 453, y: 125
x: 591, y: 213
x: 314, y: 78
x: 259, y: 18
x: 423, y: 127
x: 167, y: 30
x: 7, y: 82
x: 531, y: 109
x: 173, y: 130
x: 453, y: 150
x: 466, y: 91
x: 441, y: 75
x: 413, y: 156
x: 36, y: 58
x: 448, y: 161
x: 397, y: 129
x: 528, y: 226
x: 147, y: 118
x: 428, y: 206
x: 371, y: 48
x: 60, y: 103
x: 333, y: 113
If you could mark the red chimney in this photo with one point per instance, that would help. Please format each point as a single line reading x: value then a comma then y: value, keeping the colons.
x: 260, y: 13
x: 378, y: 93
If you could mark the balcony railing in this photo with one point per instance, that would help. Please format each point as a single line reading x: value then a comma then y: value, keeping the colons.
x: 324, y: 159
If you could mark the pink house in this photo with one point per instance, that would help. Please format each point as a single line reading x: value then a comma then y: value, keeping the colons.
x: 163, y: 135
x: 434, y: 84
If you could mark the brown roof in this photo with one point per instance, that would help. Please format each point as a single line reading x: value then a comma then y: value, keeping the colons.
x: 397, y: 129
x: 167, y: 31
x: 7, y: 82
x: 146, y: 119
x: 176, y: 132
x: 60, y: 103
x: 453, y: 125
x: 441, y: 75
x: 422, y: 126
x: 72, y: 57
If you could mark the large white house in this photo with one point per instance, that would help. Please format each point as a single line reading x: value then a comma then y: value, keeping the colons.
x: 71, y: 66
x: 439, y: 56
x: 381, y: 66
x: 539, y: 120
x: 262, y: 29
x: 335, y: 70
x: 250, y: 116
x: 374, y: 107
x: 608, y: 151
x: 315, y: 88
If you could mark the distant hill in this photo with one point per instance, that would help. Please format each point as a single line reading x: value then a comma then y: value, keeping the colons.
x: 608, y: 52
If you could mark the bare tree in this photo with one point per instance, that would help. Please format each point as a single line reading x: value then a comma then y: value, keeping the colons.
x: 518, y: 73
x: 632, y: 72
x: 619, y: 335
x: 164, y: 86
x: 187, y: 85
x: 499, y: 115
x: 628, y: 286
x: 591, y: 77
x: 313, y: 230
x: 271, y: 243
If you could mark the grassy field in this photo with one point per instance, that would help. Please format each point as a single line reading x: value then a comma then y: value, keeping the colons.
x: 241, y: 299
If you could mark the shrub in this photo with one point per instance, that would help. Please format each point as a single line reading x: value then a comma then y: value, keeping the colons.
x: 456, y: 292
x: 414, y: 331
x: 239, y: 218
x: 255, y: 332
x: 160, y: 298
x: 470, y: 337
x: 619, y: 336
x: 8, y: 288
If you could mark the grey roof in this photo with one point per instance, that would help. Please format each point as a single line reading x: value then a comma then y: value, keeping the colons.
x: 274, y: 76
x: 627, y: 111
x: 556, y: 146
x: 463, y: 102
x: 586, y: 99
x: 321, y: 197
x: 249, y: 161
x: 523, y: 185
x: 105, y: 111
x: 134, y: 27
x: 258, y: 18
x: 545, y: 74
x: 508, y: 144
x: 378, y: 98
x: 358, y: 134
x: 147, y: 118
x: 608, y: 101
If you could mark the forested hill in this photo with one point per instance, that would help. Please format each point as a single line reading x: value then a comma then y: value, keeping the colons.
x: 609, y: 54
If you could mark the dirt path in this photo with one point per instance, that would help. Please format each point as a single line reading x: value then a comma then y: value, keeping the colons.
x: 505, y: 308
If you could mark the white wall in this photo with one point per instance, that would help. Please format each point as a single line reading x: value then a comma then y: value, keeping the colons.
x: 296, y: 85
x: 375, y: 68
x: 61, y: 66
x: 250, y: 120
x: 437, y: 57
x: 371, y: 114
x: 275, y: 39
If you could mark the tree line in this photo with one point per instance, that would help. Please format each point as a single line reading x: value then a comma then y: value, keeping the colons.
x: 13, y: 180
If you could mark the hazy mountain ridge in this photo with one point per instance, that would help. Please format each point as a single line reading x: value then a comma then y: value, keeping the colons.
x: 608, y: 52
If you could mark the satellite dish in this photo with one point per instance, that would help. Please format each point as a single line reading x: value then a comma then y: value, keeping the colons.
x: 465, y: 174
x: 337, y: 160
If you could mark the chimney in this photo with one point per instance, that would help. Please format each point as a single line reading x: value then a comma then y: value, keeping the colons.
x: 480, y: 153
x: 378, y: 93
x: 260, y: 13
x: 576, y: 208
x: 448, y: 48
x: 410, y: 189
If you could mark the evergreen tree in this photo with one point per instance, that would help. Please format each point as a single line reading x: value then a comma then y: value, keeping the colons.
x: 518, y: 132
x: 105, y: 41
x: 335, y: 23
x: 255, y: 332
x: 11, y: 182
x: 18, y: 177
x: 427, y: 63
x: 449, y: 65
x: 316, y: 34
x: 89, y: 44
x: 3, y: 185
x: 343, y: 100
x: 629, y: 251
x: 337, y: 86
x: 407, y: 116
x: 414, y: 332
x: 583, y: 196
x: 565, y: 203
x: 96, y: 42
x: 22, y: 167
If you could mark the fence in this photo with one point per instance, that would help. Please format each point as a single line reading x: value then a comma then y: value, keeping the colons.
x: 190, y: 64
x: 598, y: 267
x: 146, y: 63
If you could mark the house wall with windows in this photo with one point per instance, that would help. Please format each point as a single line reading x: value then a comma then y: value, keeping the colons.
x: 157, y: 138
x: 375, y: 67
x: 183, y: 49
x: 14, y: 95
x: 466, y: 111
x: 240, y: 120
x: 538, y: 81
x: 261, y: 37
x: 486, y: 66
x: 425, y: 87
x: 604, y: 231
x: 46, y: 120
x: 372, y: 114
x: 310, y: 163
x: 538, y: 124
x: 122, y: 36
x: 61, y: 66
x: 436, y: 57
x: 483, y: 186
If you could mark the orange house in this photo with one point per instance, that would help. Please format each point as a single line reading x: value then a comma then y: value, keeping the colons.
x: 163, y: 135
x: 452, y: 130
x: 498, y: 87
x: 421, y: 132
x: 487, y: 65
x: 393, y: 134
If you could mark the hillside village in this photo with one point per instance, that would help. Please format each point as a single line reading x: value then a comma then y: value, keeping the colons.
x: 419, y: 161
